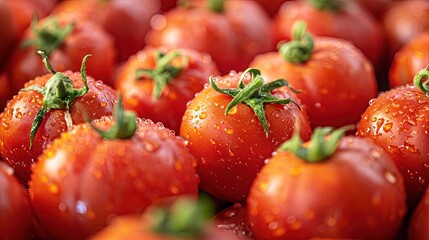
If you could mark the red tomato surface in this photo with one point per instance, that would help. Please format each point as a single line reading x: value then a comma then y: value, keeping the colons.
x: 234, y: 219
x: 272, y: 6
x: 15, y: 210
x: 20, y: 112
x: 356, y: 193
x: 82, y: 181
x: 170, y: 106
x: 232, y: 37
x: 335, y: 84
x: 351, y: 22
x: 8, y: 32
x: 6, y: 92
x: 231, y: 149
x: 85, y: 38
x: 397, y: 120
x: 418, y: 226
x: 410, y: 59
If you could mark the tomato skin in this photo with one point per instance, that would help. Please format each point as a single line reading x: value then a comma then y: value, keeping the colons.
x: 15, y: 210
x: 19, y: 114
x: 234, y: 219
x: 170, y: 106
x: 357, y: 193
x: 232, y: 37
x: 408, y: 60
x: 231, y: 149
x: 417, y: 228
x: 336, y: 77
x: 86, y: 38
x: 397, y: 121
x: 272, y: 7
x: 95, y: 179
x: 8, y: 32
x: 366, y: 34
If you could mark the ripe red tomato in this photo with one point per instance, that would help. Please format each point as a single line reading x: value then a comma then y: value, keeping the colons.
x: 234, y: 219
x: 409, y: 60
x: 8, y: 32
x: 230, y: 149
x: 327, y: 188
x: 127, y: 21
x: 272, y: 6
x: 157, y: 83
x: 82, y: 180
x: 335, y: 80
x: 15, y: 210
x: 232, y: 32
x: 6, y: 92
x: 336, y: 21
x: 418, y: 226
x: 22, y: 112
x: 397, y: 120
x: 72, y: 41
x: 376, y: 7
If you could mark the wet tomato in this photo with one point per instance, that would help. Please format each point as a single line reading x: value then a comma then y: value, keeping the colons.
x: 8, y: 32
x: 330, y: 187
x: 418, y: 226
x: 157, y: 83
x: 234, y: 219
x: 47, y: 106
x: 397, y: 120
x: 232, y: 136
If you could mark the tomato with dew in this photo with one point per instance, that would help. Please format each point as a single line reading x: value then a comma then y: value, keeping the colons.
x: 419, y: 222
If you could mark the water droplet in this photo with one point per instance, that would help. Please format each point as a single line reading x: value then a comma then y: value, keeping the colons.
x: 62, y: 207
x: 231, y: 153
x: 263, y: 187
x: 103, y: 104
x: 173, y: 189
x: 96, y: 173
x: 5, y: 125
x: 387, y: 126
x: 390, y: 177
x: 371, y: 101
x: 229, y: 131
x: 150, y: 146
x: 196, y: 108
x: 233, y: 110
x: 273, y: 225
x: 216, y: 126
x: 18, y: 115
x: 212, y: 141
x: 203, y: 115
x: 373, y: 119
x: 53, y: 188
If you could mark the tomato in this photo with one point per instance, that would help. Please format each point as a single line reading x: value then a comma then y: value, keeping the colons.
x: 234, y: 219
x: 408, y: 60
x: 157, y: 83
x: 418, y: 226
x: 127, y: 21
x: 167, y: 5
x: 5, y: 90
x: 333, y: 18
x: 230, y: 141
x: 332, y: 75
x: 404, y: 21
x: 397, y: 120
x: 272, y: 7
x: 330, y: 187
x: 376, y: 7
x: 15, y: 210
x: 8, y: 32
x: 117, y: 166
x: 225, y: 31
x: 66, y: 43
x: 31, y: 119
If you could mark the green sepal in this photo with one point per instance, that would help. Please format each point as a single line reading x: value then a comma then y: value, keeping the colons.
x: 421, y: 80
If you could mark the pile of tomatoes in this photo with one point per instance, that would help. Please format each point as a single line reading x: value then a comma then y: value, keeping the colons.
x: 214, y: 119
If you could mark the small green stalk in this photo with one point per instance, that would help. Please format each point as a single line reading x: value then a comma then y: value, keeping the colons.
x: 49, y: 36
x: 320, y: 147
x: 421, y: 80
x: 163, y: 73
x: 58, y: 93
x: 125, y: 125
x: 300, y: 48
x: 217, y: 6
x: 326, y: 5
x: 255, y: 94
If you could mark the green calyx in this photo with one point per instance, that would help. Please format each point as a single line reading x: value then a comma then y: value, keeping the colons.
x: 125, y: 125
x: 421, y: 80
x: 163, y: 73
x: 49, y: 36
x: 255, y: 94
x: 320, y: 147
x: 184, y: 218
x: 216, y: 6
x: 58, y: 93
x: 300, y: 48
x: 326, y: 5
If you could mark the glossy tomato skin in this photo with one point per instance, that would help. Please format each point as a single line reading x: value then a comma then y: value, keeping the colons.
x: 366, y: 33
x: 81, y: 181
x: 232, y: 37
x: 15, y: 210
x: 418, y: 226
x: 8, y: 32
x: 127, y: 21
x: 409, y: 60
x: 397, y: 121
x: 234, y: 219
x: 272, y: 7
x: 86, y: 38
x: 231, y: 149
x: 356, y: 193
x: 335, y: 84
x: 19, y: 114
x: 170, y: 106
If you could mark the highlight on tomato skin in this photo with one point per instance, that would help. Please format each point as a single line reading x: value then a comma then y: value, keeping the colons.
x: 417, y: 228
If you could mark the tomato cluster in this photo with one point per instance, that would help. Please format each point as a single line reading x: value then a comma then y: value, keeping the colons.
x: 214, y: 119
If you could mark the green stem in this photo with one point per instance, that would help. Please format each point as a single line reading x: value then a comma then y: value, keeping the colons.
x: 216, y: 6
x: 300, y: 48
x: 421, y: 80
x: 326, y: 5
x: 125, y: 125
x: 320, y: 146
x: 255, y: 94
